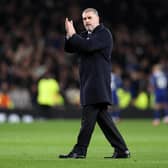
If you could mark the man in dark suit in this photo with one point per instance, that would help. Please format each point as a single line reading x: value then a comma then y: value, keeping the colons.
x: 94, y: 46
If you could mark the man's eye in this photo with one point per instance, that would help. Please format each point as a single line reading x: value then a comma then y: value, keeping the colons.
x: 85, y: 18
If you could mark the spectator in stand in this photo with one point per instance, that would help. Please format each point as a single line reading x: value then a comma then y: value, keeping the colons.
x: 30, y: 36
x: 5, y: 100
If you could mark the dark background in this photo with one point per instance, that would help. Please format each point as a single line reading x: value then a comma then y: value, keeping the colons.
x: 32, y: 40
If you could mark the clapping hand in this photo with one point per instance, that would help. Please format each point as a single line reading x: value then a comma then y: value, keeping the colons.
x: 69, y: 27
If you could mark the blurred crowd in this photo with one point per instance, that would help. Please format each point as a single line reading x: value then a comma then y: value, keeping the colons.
x: 32, y: 46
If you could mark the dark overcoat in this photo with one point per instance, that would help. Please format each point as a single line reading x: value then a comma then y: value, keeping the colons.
x: 94, y: 50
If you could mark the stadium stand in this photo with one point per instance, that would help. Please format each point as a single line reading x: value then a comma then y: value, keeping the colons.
x: 32, y: 43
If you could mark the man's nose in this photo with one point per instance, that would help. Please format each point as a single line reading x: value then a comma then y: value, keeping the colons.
x: 87, y: 20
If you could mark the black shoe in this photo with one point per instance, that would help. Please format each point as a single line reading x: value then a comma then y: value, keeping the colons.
x: 73, y: 156
x: 119, y: 155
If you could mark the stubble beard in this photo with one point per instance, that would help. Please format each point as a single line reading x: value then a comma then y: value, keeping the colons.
x: 89, y: 28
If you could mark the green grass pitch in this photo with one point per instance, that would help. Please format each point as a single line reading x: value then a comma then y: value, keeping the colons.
x: 37, y: 145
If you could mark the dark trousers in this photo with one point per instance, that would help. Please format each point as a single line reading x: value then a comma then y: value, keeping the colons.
x: 98, y: 113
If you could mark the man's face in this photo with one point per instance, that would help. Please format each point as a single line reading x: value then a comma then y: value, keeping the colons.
x: 90, y: 20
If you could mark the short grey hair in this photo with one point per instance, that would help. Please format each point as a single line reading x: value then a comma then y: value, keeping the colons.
x: 91, y: 10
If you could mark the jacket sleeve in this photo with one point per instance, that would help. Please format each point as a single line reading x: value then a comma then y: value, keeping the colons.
x: 68, y: 47
x: 98, y: 41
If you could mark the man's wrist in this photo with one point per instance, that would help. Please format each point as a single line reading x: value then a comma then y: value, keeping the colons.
x: 69, y: 36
